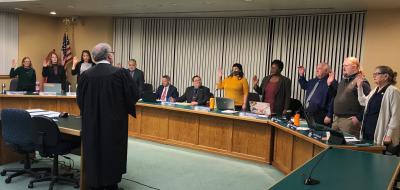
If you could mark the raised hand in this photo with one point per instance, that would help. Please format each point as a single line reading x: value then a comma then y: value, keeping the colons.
x: 45, y: 63
x: 359, y: 79
x: 255, y: 80
x: 74, y: 62
x: 13, y: 63
x: 331, y: 78
x: 219, y: 73
x: 301, y: 70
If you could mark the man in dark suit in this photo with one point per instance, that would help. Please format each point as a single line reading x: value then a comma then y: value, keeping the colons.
x: 196, y: 94
x: 137, y: 75
x: 105, y: 95
x: 166, y: 91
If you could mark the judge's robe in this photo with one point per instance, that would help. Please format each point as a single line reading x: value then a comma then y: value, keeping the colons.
x: 105, y: 95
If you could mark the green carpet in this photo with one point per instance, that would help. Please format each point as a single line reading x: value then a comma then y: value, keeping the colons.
x: 171, y: 168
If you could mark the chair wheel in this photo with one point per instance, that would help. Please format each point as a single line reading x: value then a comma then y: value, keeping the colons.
x: 3, y: 173
x: 8, y: 180
x: 30, y: 186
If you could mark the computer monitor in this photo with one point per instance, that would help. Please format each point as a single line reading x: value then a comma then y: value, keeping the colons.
x: 149, y: 96
x: 336, y: 137
x: 52, y: 87
x: 224, y: 103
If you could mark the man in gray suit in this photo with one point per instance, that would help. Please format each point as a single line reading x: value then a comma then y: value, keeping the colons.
x: 137, y: 75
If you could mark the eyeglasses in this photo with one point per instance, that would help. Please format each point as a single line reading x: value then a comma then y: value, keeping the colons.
x: 377, y: 73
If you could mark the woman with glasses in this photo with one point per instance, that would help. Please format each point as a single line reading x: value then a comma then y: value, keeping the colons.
x: 26, y: 75
x: 381, y: 121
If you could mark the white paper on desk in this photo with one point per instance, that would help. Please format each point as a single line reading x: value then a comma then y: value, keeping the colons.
x: 34, y: 110
x: 302, y: 128
x: 44, y: 113
x: 182, y: 103
x: 53, y: 115
x: 229, y: 111
x: 351, y: 139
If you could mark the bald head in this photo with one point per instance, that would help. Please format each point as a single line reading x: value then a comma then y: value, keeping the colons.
x: 102, y: 51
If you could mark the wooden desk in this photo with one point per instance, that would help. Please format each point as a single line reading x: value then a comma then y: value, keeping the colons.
x: 246, y: 138
x: 259, y: 140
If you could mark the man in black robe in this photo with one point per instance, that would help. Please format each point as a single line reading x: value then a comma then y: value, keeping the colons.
x: 105, y: 95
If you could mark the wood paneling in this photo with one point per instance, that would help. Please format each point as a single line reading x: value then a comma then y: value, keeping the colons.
x: 215, y: 132
x: 317, y: 150
x: 154, y: 123
x: 283, y: 150
x: 134, y: 123
x: 252, y: 139
x: 183, y: 129
x: 68, y: 104
x: 46, y: 104
x: 302, y: 152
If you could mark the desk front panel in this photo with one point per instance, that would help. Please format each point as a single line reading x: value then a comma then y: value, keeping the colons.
x: 241, y: 139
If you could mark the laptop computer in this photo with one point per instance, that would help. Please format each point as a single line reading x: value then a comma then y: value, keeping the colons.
x: 149, y: 96
x: 224, y: 103
x: 260, y: 108
x: 52, y: 87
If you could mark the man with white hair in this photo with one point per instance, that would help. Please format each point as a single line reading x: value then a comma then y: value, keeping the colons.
x: 319, y: 102
x: 346, y: 109
x: 105, y: 95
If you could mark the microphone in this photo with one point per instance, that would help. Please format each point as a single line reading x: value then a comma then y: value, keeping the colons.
x: 310, y: 180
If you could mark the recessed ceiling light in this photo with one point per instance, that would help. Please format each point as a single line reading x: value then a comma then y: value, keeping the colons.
x: 53, y: 12
x: 18, y: 9
x: 248, y: 0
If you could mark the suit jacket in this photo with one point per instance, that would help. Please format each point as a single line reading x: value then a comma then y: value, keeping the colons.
x: 282, y: 97
x: 203, y: 95
x: 172, y: 92
x: 138, y: 78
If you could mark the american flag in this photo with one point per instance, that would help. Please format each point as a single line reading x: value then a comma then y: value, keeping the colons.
x: 66, y: 50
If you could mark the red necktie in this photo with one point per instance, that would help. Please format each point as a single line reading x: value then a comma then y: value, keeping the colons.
x: 164, y: 94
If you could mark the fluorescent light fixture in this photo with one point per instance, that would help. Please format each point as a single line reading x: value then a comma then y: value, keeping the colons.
x: 53, y: 12
x: 18, y: 9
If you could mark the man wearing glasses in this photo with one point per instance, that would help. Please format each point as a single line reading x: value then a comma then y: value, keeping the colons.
x: 105, y: 95
x: 347, y: 110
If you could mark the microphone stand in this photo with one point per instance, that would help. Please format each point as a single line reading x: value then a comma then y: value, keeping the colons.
x: 309, y: 180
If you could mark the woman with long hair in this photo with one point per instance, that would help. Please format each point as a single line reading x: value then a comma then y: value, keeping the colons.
x: 235, y: 86
x: 25, y: 73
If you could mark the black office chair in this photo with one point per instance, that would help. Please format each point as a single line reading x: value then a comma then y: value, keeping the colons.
x: 296, y: 106
x: 147, y: 87
x: 14, y: 84
x: 20, y: 136
x: 50, y: 144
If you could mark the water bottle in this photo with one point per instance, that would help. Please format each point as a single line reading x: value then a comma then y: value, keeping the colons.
x: 69, y: 88
x: 37, y: 87
x: 3, y: 88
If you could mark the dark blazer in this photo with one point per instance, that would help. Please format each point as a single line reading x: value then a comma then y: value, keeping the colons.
x: 282, y: 98
x: 77, y: 70
x: 172, y: 92
x: 203, y: 95
x: 138, y: 77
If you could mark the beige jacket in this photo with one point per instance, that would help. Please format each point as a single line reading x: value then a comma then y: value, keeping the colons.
x: 388, y: 123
